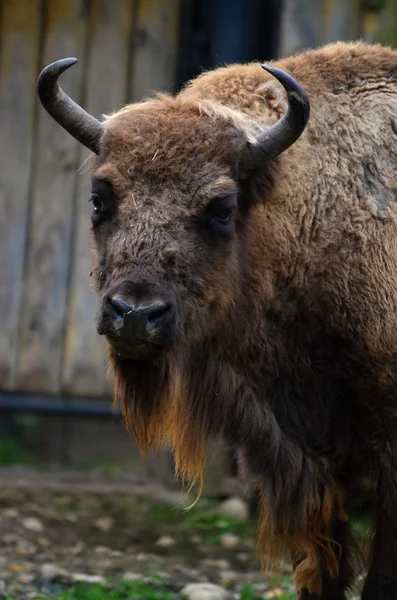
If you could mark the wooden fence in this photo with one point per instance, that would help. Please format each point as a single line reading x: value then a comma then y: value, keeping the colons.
x: 312, y: 23
x: 126, y: 50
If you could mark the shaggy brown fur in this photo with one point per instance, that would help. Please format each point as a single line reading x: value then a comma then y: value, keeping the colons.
x: 286, y: 338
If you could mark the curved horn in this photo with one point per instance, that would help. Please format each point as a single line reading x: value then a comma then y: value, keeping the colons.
x: 286, y: 131
x: 82, y: 126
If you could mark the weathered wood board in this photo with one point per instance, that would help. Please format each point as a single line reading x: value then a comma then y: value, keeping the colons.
x: 53, y: 200
x: 153, y: 64
x: 19, y: 61
x: 84, y: 369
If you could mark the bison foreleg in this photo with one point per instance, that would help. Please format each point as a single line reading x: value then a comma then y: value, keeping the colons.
x: 381, y: 583
x: 333, y: 587
x: 302, y: 506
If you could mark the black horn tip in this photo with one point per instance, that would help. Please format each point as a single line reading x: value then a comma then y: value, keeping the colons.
x: 72, y: 117
x: 49, y: 76
x: 294, y: 91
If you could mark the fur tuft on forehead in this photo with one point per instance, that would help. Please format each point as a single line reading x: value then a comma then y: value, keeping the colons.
x: 161, y: 135
x: 167, y: 107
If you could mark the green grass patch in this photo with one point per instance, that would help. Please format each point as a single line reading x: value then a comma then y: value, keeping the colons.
x: 135, y: 590
x: 12, y: 453
x: 203, y: 520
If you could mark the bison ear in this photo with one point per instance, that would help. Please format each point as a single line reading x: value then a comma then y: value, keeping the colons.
x: 274, y: 140
x: 255, y: 189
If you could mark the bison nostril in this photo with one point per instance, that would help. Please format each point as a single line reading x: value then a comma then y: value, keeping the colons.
x: 119, y: 307
x: 157, y: 314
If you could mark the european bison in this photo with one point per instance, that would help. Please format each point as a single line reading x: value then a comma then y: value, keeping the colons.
x: 248, y: 287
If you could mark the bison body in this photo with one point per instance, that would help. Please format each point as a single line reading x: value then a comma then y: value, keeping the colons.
x: 270, y: 295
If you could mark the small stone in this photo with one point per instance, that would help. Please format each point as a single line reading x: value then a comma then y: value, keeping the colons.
x: 196, y: 539
x: 166, y: 541
x: 72, y: 517
x: 131, y: 576
x: 259, y: 589
x: 204, y: 591
x: 218, y: 563
x: 102, y: 550
x: 142, y: 556
x: 234, y: 507
x: 77, y: 549
x: 229, y: 540
x: 50, y: 572
x: 275, y: 593
x: 85, y: 578
x: 10, y: 513
x: 10, y: 538
x: 33, y: 524
x: 43, y: 541
x: 26, y: 578
x: 228, y: 577
x: 243, y: 556
x: 104, y: 524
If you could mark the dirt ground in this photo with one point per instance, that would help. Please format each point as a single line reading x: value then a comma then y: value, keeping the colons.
x: 59, y: 528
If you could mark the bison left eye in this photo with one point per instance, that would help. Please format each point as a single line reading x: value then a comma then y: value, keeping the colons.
x: 221, y: 211
x: 224, y: 217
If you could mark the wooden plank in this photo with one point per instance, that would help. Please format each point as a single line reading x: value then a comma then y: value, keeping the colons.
x: 45, y: 284
x: 383, y: 27
x: 19, y: 54
x: 311, y: 23
x: 300, y: 25
x: 341, y: 20
x: 155, y: 47
x: 84, y: 356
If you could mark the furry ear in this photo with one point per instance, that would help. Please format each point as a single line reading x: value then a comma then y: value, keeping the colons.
x: 256, y: 188
x: 274, y: 97
x: 258, y: 185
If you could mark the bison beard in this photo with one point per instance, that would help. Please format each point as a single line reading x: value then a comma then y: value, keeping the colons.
x: 187, y: 399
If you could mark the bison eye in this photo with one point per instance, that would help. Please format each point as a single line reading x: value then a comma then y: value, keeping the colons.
x: 224, y: 216
x: 221, y: 211
x: 102, y: 199
x: 97, y: 204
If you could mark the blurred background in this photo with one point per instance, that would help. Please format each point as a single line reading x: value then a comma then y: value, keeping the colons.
x: 55, y: 397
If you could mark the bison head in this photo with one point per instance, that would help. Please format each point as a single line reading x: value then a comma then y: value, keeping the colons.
x: 175, y: 186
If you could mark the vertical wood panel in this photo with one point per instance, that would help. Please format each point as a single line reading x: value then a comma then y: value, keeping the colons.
x: 341, y: 20
x: 384, y: 24
x: 311, y: 23
x: 155, y: 48
x: 20, y: 30
x: 84, y: 355
x: 45, y: 283
x: 300, y: 25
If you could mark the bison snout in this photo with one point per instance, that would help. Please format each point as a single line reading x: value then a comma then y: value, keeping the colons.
x: 137, y: 318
